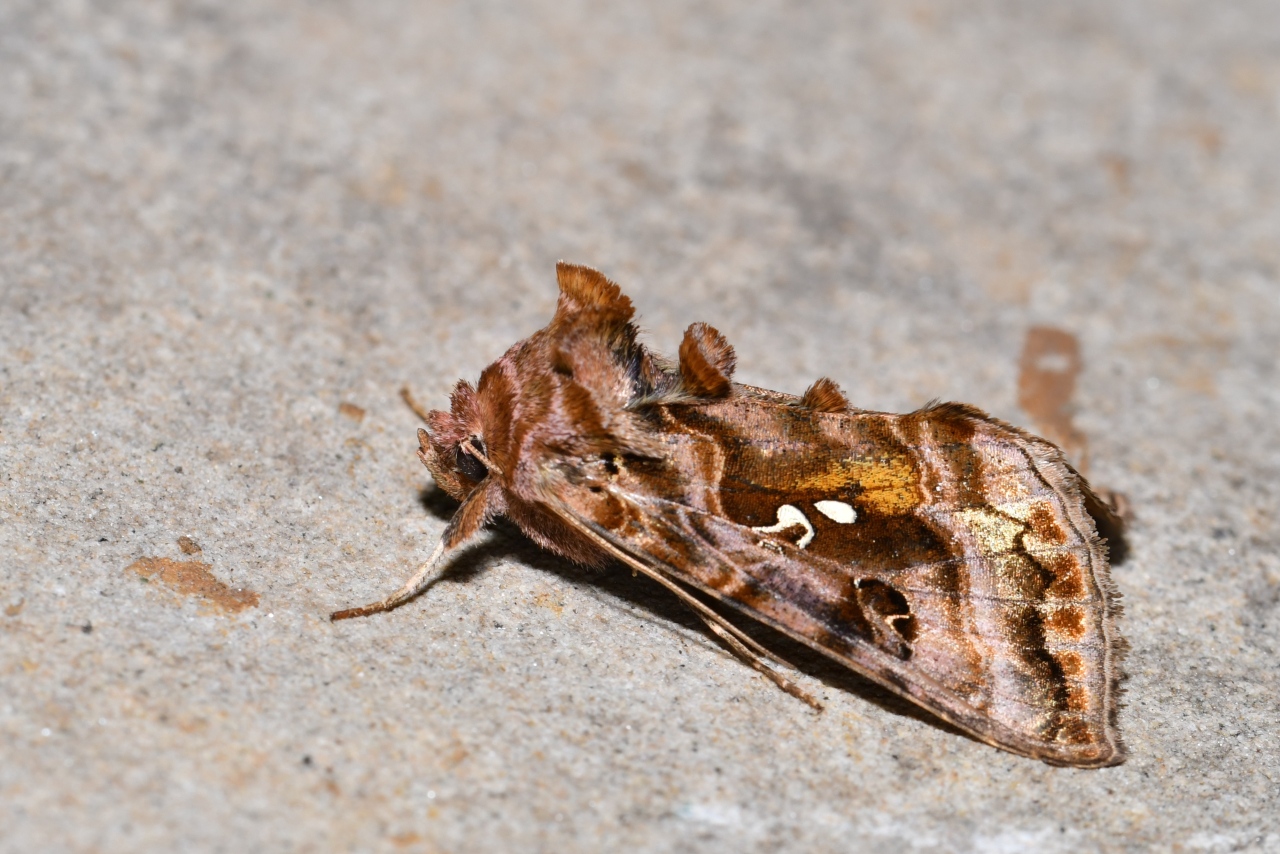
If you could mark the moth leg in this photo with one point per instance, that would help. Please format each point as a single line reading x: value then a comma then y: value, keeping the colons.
x: 469, y: 518
x: 743, y: 646
x: 758, y: 663
x: 411, y: 588
x: 720, y: 626
x: 407, y: 397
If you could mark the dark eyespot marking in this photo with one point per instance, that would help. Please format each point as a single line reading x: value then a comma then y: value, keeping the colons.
x: 890, y: 610
x: 467, y: 465
x: 610, y: 463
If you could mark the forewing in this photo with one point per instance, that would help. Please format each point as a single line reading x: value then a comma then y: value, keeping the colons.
x: 942, y: 554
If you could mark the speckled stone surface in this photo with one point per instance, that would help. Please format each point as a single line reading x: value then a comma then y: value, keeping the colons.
x: 219, y: 223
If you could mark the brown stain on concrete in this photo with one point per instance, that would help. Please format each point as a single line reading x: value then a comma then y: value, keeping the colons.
x: 1007, y: 265
x: 358, y: 446
x: 350, y: 410
x: 405, y: 840
x: 385, y: 185
x: 189, y: 546
x: 547, y: 600
x: 193, y: 578
x: 1191, y: 362
x: 1047, y: 373
x: 1120, y: 169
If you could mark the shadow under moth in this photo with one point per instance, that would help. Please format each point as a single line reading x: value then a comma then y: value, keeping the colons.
x: 947, y: 556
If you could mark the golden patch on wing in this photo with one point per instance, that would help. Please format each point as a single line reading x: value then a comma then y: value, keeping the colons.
x: 1043, y: 538
x: 887, y: 486
x: 995, y: 532
x: 1044, y: 531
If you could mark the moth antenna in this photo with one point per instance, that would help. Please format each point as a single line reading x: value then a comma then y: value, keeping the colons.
x: 469, y: 519
x: 412, y: 403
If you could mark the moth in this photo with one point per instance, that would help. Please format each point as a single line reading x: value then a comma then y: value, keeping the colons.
x: 948, y: 556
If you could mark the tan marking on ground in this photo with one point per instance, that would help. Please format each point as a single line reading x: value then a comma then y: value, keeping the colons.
x: 549, y: 601
x: 1047, y: 372
x: 189, y: 546
x: 193, y: 578
x: 350, y: 410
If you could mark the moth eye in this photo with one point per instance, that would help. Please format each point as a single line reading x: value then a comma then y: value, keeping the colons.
x: 468, y: 465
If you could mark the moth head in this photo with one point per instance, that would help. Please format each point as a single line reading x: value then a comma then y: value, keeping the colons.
x: 453, y: 446
x: 567, y: 382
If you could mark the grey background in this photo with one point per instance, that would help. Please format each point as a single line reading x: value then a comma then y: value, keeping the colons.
x: 219, y: 222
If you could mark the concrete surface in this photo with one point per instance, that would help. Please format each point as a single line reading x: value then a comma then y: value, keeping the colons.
x: 230, y: 232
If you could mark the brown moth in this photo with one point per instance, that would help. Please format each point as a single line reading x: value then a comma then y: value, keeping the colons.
x: 948, y: 556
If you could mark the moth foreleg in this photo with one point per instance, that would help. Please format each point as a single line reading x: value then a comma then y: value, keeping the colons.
x: 411, y: 588
x: 407, y: 397
x: 742, y: 645
x: 759, y: 664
